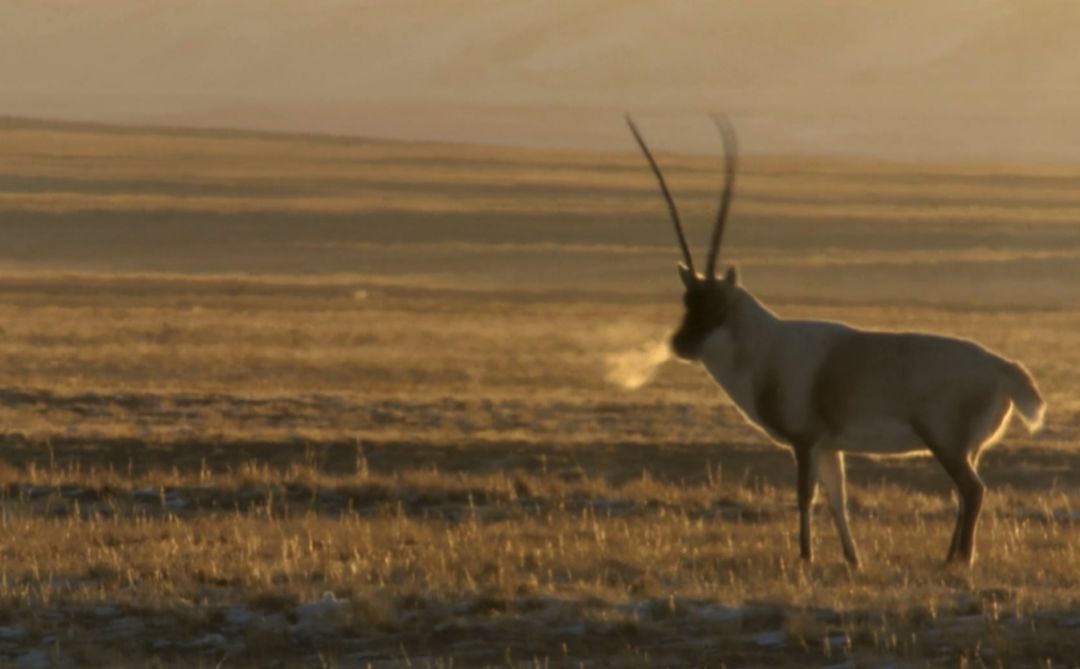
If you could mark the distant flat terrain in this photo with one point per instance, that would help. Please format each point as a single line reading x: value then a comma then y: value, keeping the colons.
x: 94, y: 198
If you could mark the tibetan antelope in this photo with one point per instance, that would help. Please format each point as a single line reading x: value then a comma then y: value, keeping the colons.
x: 825, y: 388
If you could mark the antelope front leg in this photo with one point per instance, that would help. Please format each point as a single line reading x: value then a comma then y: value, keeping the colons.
x: 954, y: 545
x: 832, y: 477
x: 806, y: 459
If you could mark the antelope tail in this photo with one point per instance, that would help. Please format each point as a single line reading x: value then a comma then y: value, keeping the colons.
x: 1025, y: 395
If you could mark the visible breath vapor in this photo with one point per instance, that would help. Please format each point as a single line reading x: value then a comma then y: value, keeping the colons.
x: 633, y: 369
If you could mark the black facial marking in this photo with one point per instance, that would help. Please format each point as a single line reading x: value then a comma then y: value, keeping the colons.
x: 707, y: 307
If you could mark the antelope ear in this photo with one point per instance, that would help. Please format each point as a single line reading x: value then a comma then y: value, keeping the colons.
x: 689, y: 279
x: 731, y: 278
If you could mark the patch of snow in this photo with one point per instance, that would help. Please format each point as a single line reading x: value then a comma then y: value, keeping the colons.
x: 577, y: 629
x: 1059, y: 515
x: 967, y: 622
x: 213, y: 641
x: 11, y: 633
x: 763, y: 615
x: 147, y: 494
x: 839, y: 641
x: 609, y: 506
x: 123, y: 629
x: 33, y: 491
x: 239, y: 616
x: 52, y: 614
x: 272, y: 621
x: 719, y: 614
x: 770, y: 639
x: 463, y: 608
x: 175, y: 500
x: 105, y: 611
x: 826, y: 616
x: 34, y: 659
x: 322, y: 617
x: 638, y: 609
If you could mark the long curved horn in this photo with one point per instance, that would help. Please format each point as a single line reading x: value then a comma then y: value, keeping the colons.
x: 672, y: 209
x: 731, y: 154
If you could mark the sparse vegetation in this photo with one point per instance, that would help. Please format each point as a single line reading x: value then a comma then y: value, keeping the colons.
x: 212, y: 420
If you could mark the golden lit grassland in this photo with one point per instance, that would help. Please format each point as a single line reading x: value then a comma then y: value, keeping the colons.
x: 641, y: 581
x: 457, y: 466
x: 267, y: 346
x: 240, y: 371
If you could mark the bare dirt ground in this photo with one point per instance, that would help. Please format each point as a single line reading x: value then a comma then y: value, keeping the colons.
x: 288, y: 401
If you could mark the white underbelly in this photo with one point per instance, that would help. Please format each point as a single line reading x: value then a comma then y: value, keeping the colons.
x: 882, y: 438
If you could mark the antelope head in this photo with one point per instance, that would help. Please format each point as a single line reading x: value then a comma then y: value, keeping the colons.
x: 708, y: 298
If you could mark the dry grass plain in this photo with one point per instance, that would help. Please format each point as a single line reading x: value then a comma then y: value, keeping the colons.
x: 297, y: 401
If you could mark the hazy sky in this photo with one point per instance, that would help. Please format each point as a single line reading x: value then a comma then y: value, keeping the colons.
x: 939, y: 79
